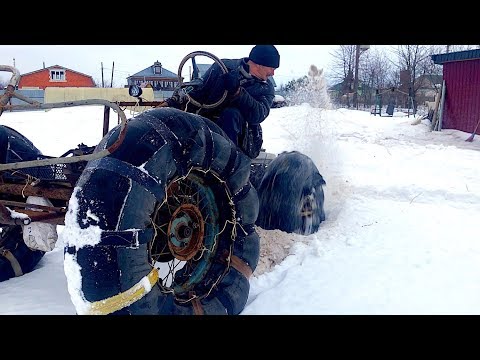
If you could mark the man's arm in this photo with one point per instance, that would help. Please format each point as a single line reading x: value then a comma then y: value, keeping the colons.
x: 203, y: 92
x: 210, y: 79
x: 255, y: 108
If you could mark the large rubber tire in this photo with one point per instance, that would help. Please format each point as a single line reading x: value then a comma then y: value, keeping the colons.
x: 291, y: 195
x: 257, y: 171
x: 16, y: 258
x: 183, y: 188
x: 15, y: 146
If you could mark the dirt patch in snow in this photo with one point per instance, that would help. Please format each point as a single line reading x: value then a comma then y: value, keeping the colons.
x: 275, y: 245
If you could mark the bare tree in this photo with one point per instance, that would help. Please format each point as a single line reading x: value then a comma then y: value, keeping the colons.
x: 97, y: 82
x: 342, y: 68
x: 376, y: 72
x: 411, y: 59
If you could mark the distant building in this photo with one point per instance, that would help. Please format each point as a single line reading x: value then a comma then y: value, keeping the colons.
x: 54, y: 76
x: 155, y: 76
x: 428, y: 87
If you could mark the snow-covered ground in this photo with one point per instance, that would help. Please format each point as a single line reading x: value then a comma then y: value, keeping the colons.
x: 402, y: 206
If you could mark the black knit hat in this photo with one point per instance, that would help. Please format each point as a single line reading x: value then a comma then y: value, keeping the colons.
x: 266, y: 55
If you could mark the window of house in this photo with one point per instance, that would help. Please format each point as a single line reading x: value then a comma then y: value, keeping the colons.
x: 57, y: 75
x: 157, y: 68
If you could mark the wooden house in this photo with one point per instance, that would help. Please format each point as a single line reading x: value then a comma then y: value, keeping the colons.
x: 155, y: 76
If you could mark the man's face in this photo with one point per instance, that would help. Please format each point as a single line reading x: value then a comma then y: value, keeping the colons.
x: 262, y: 72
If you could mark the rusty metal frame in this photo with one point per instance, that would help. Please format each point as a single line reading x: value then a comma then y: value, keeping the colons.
x: 47, y: 214
x: 31, y: 104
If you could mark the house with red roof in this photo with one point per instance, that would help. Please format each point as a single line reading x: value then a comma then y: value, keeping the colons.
x: 55, y: 76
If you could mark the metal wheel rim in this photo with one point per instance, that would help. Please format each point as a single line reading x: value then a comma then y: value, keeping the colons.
x: 187, y: 198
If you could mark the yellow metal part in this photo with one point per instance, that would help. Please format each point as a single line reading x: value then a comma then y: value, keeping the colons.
x: 124, y: 299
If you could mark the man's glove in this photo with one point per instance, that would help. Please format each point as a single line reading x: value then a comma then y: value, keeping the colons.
x: 231, y: 81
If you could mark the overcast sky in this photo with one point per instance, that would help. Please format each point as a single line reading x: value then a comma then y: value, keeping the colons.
x: 126, y: 60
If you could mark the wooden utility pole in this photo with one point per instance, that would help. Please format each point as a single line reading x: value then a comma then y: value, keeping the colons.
x: 355, y: 78
x: 111, y: 82
x: 359, y: 49
x: 103, y: 84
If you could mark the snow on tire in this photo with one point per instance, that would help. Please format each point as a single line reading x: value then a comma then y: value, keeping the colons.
x: 164, y: 224
x: 291, y: 195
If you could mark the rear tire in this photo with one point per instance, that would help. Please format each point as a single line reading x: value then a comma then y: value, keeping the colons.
x: 16, y: 258
x: 291, y: 195
x: 173, y: 201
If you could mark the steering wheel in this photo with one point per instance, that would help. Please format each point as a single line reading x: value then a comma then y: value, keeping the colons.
x: 193, y: 83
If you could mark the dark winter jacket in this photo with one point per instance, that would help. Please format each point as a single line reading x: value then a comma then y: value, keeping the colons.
x: 254, y: 99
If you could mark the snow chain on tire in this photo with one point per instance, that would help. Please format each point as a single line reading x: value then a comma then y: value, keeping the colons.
x: 165, y: 224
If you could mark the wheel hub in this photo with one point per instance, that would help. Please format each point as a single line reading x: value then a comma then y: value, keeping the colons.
x: 307, y: 211
x: 185, y: 232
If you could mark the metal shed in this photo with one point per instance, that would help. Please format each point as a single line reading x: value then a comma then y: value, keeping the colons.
x: 461, y: 73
